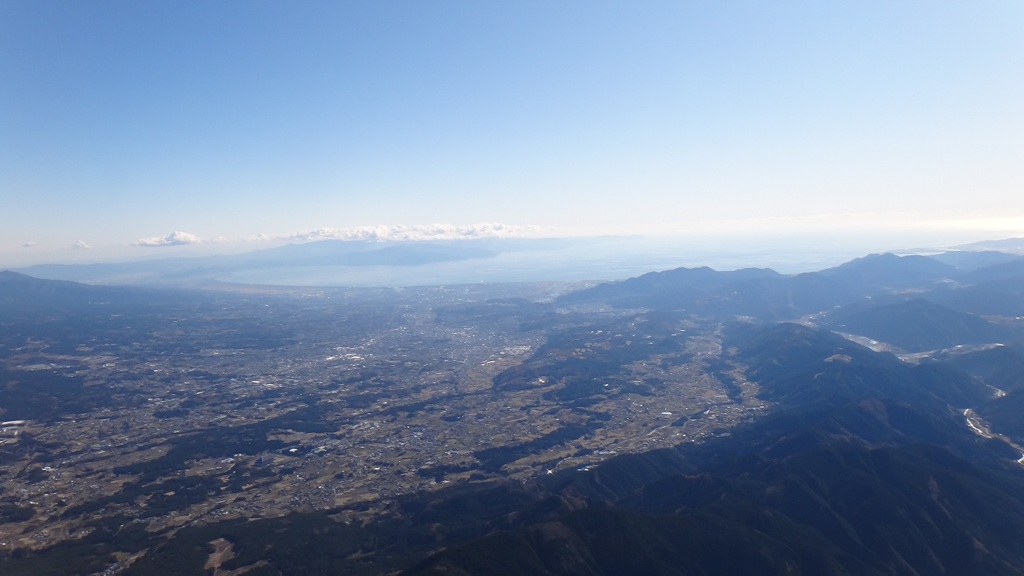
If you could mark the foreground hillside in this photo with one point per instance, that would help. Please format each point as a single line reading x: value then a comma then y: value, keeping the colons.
x: 873, y: 483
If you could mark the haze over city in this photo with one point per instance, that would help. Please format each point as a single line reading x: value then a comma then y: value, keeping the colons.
x: 131, y: 131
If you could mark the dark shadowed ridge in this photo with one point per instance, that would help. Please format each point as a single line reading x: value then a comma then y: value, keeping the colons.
x: 919, y: 325
x: 671, y: 287
x: 765, y: 294
x: 762, y: 293
x: 996, y: 290
x: 1013, y: 270
x: 863, y: 488
x: 868, y: 469
x: 801, y: 367
x: 1004, y: 414
x: 21, y: 292
x: 967, y: 261
x: 889, y: 272
x: 1001, y: 367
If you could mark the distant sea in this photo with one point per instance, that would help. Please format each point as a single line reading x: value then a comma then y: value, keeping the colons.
x: 597, y: 260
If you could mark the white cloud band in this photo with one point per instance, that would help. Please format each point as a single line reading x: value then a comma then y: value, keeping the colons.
x: 400, y: 233
x: 172, y: 239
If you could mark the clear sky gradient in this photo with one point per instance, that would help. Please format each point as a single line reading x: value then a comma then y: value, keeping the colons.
x: 225, y: 120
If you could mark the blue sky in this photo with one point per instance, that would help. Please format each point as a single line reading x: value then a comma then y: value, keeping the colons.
x: 226, y: 120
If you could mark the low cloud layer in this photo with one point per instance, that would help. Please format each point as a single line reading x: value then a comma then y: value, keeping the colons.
x: 80, y: 245
x: 401, y: 233
x: 382, y: 233
x: 172, y: 239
